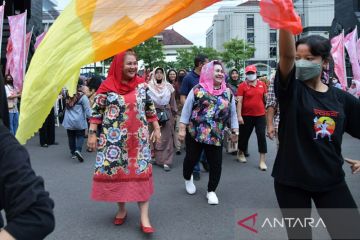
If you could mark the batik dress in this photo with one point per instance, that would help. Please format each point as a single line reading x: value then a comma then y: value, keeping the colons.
x: 123, y: 172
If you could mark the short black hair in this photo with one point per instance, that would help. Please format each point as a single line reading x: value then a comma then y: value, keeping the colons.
x: 94, y: 83
x: 199, y: 59
x: 319, y: 46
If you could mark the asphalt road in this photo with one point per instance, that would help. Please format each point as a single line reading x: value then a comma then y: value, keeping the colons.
x: 174, y: 214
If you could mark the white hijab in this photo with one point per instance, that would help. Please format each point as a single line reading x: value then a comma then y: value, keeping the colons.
x: 160, y: 93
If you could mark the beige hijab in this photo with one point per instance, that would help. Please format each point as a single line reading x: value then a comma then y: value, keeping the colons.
x: 160, y: 93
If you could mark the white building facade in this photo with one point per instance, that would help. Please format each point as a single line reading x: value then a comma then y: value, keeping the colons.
x: 316, y: 16
x: 244, y: 22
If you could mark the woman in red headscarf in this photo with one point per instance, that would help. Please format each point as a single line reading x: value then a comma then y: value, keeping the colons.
x: 123, y: 172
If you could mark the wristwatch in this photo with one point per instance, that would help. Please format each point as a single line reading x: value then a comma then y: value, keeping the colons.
x: 92, y: 131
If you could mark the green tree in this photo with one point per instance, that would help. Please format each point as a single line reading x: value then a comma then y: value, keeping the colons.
x: 151, y: 52
x: 236, y: 53
x: 185, y: 58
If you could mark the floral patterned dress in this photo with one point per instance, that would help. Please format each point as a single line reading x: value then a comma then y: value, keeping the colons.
x: 123, y: 172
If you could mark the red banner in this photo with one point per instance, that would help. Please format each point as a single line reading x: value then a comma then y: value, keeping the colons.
x: 350, y: 45
x: 338, y: 54
x: 17, y: 35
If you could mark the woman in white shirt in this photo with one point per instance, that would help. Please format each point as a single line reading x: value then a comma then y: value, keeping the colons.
x: 12, y: 99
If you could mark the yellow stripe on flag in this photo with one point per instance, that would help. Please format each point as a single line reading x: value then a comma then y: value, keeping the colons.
x: 90, y: 31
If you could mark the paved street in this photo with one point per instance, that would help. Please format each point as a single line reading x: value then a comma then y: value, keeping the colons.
x: 174, y: 214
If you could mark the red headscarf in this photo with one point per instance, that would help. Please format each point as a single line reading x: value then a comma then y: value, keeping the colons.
x: 114, y: 81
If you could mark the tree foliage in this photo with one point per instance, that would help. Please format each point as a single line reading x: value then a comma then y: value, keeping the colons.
x: 151, y: 52
x: 236, y: 53
x: 185, y: 58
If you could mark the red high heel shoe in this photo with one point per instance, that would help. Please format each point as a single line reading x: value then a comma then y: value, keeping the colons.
x: 120, y: 221
x: 147, y: 230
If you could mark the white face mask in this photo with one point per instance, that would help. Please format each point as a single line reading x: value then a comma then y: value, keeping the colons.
x: 251, y: 77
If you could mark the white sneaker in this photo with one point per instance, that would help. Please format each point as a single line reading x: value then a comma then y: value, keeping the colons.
x: 241, y: 157
x: 212, y: 198
x: 190, y: 186
x: 263, y: 166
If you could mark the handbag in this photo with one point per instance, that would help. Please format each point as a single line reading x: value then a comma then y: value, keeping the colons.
x: 162, y: 116
x: 11, y: 105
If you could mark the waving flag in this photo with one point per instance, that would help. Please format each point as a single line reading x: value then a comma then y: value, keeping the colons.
x: 358, y: 50
x: 350, y: 45
x: 9, y: 59
x: 17, y: 35
x: 1, y: 24
x: 338, y: 54
x: 280, y: 14
x: 39, y: 39
x: 27, y: 44
x: 89, y: 31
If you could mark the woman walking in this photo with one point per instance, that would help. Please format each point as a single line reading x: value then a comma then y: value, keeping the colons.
x: 123, y: 107
x: 251, y: 97
x: 77, y: 111
x: 207, y: 109
x: 163, y: 95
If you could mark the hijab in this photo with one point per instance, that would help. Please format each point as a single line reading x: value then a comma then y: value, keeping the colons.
x: 114, y: 81
x: 160, y: 93
x: 207, y: 79
x: 232, y: 82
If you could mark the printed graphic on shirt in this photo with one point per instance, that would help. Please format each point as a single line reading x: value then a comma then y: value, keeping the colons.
x: 324, y: 124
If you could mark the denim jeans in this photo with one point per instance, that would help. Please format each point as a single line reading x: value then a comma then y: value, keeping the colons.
x: 76, y: 140
x: 14, y: 122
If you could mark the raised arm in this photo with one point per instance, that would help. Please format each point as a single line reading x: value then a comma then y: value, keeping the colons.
x: 287, y: 52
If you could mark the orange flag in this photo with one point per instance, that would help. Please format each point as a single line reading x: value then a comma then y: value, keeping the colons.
x: 88, y: 31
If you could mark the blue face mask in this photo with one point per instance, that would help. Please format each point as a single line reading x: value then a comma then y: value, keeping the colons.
x: 306, y: 70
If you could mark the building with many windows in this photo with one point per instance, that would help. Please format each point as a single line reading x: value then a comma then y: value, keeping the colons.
x: 244, y: 22
x: 316, y: 16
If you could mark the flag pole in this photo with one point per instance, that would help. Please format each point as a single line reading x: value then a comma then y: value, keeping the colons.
x: 2, y: 25
x: 345, y: 75
x: 24, y: 46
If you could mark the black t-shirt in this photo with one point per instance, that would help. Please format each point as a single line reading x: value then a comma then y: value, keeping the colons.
x: 310, y: 133
x: 28, y: 207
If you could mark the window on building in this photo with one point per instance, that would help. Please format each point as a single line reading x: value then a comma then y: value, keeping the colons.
x: 273, y: 36
x: 250, y: 20
x: 272, y: 52
x: 250, y: 37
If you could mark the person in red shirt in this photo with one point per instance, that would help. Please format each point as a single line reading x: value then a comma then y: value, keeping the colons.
x: 251, y: 96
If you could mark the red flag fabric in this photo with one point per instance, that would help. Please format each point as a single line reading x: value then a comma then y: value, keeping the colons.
x: 338, y: 54
x: 9, y: 60
x: 358, y: 50
x: 350, y: 45
x: 1, y: 25
x: 17, y: 34
x: 27, y: 45
x: 39, y: 39
x: 280, y: 14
